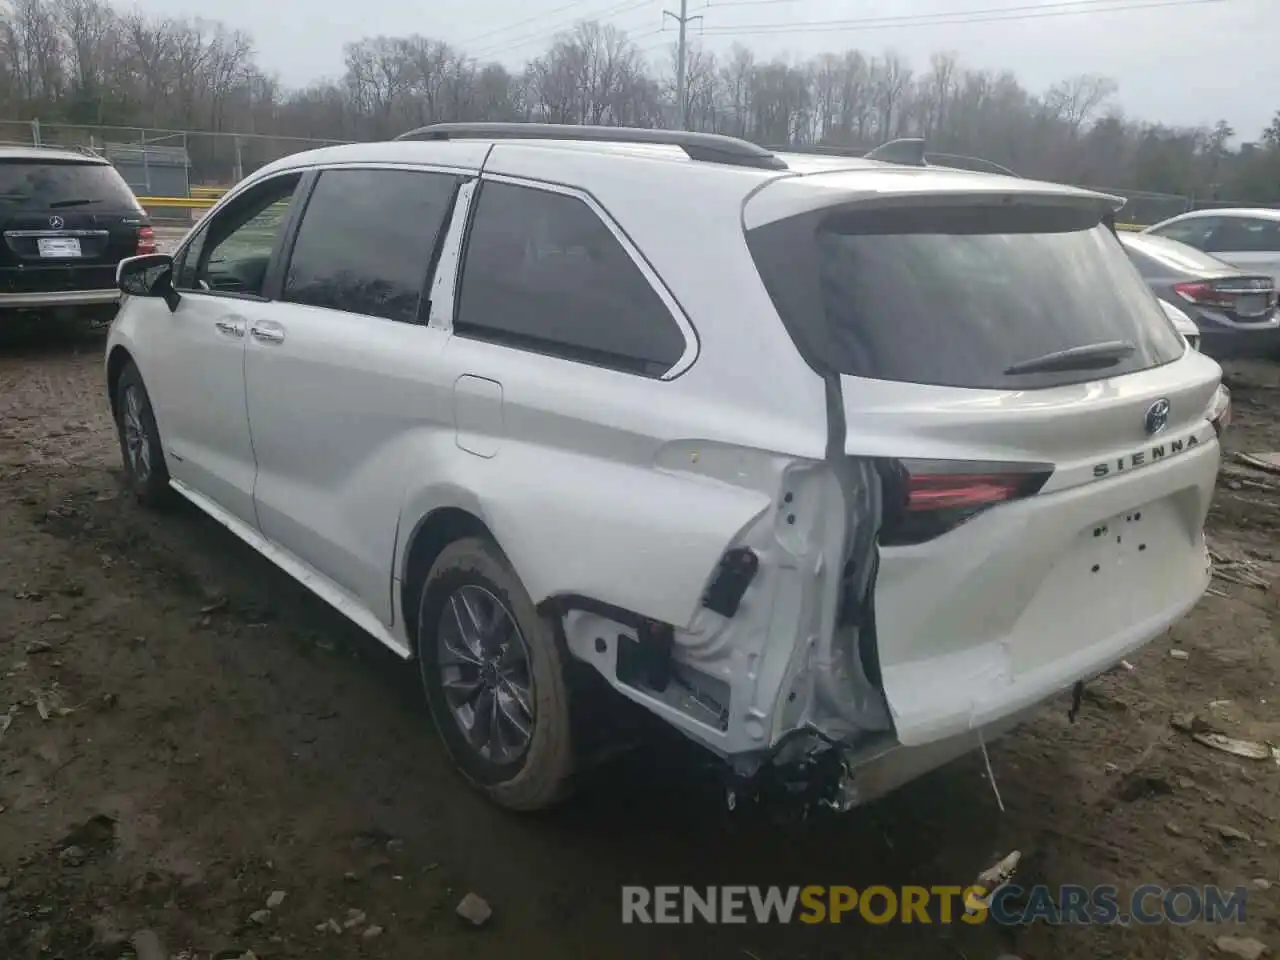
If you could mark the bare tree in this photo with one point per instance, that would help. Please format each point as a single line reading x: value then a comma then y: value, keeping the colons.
x: 85, y: 61
x: 1076, y: 100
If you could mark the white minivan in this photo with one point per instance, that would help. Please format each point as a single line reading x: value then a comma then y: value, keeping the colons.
x: 837, y: 466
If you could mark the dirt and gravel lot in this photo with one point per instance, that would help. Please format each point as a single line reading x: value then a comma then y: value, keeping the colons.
x: 189, y: 732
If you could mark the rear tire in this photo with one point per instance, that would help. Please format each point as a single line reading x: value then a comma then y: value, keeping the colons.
x: 144, y: 466
x: 493, y: 672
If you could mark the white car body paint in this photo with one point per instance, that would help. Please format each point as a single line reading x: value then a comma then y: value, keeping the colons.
x: 328, y: 452
x: 1182, y: 323
x: 1265, y: 261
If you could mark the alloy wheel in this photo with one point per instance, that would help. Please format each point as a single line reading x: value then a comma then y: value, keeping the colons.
x: 137, y: 446
x: 485, y: 673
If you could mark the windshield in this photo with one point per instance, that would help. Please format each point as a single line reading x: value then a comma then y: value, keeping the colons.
x: 963, y: 297
x: 44, y: 185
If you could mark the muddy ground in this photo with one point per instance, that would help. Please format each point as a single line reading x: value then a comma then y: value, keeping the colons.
x: 215, y: 734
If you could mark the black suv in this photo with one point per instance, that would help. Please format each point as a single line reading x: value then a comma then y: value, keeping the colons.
x: 67, y: 219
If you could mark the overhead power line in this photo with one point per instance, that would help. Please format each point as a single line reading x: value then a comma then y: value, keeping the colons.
x: 989, y: 15
x: 522, y: 23
x: 546, y: 33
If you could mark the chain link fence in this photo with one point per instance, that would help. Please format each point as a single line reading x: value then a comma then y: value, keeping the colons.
x: 183, y: 163
x: 159, y: 162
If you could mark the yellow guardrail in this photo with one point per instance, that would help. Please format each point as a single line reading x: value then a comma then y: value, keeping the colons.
x: 208, y: 191
x: 190, y: 203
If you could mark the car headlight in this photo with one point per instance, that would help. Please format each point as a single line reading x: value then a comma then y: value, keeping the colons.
x: 1219, y: 412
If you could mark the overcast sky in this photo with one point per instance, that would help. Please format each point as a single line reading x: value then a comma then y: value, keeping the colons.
x: 1177, y: 61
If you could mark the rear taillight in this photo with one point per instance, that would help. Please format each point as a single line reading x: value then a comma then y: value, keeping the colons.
x: 1204, y: 294
x: 928, y: 498
x: 146, y: 240
x: 1259, y: 294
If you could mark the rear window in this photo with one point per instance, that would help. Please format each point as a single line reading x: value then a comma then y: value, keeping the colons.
x: 1157, y: 257
x: 958, y: 296
x: 55, y: 185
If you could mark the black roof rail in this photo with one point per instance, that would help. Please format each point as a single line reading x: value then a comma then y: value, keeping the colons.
x: 706, y: 147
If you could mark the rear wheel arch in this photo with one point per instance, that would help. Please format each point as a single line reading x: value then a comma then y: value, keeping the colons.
x: 117, y: 360
x: 433, y: 533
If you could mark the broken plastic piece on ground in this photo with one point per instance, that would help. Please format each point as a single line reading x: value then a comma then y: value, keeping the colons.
x: 1246, y: 947
x: 1231, y: 833
x: 1270, y: 462
x: 991, y: 880
x: 1201, y: 731
x: 474, y: 909
x: 1248, y: 749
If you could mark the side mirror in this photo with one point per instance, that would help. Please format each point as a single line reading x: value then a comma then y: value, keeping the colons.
x: 149, y: 275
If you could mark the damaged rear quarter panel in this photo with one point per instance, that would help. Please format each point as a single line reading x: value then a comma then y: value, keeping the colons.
x: 608, y: 498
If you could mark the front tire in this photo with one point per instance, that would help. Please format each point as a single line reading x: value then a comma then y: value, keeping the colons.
x: 144, y: 465
x: 493, y: 672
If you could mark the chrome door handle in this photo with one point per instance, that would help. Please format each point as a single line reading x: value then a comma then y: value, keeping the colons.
x: 267, y: 333
x: 232, y: 328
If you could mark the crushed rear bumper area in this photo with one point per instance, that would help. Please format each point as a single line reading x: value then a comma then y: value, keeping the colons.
x: 808, y: 773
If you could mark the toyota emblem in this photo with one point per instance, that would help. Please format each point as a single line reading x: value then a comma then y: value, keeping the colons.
x: 57, y: 223
x: 1157, y: 417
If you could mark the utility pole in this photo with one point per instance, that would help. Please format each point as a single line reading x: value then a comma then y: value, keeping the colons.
x: 681, y: 93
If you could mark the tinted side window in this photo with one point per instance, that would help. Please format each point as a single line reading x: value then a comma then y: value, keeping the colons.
x: 366, y: 241
x: 542, y: 271
x: 1258, y: 236
x: 184, y: 270
x: 1230, y: 234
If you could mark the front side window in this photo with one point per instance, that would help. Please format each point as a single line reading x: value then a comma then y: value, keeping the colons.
x: 367, y: 240
x: 544, y: 273
x: 231, y: 252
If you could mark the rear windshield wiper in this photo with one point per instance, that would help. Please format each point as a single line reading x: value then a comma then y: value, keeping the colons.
x: 1091, y: 356
x: 71, y: 203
